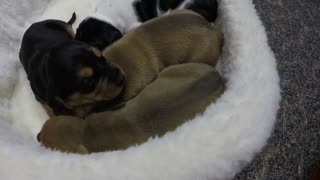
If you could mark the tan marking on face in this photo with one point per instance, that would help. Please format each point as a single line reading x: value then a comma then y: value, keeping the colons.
x: 77, y: 99
x: 96, y: 52
x: 86, y: 72
x: 104, y: 91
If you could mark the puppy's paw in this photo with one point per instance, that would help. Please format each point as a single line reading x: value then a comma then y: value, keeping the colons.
x: 64, y: 133
x: 220, y: 36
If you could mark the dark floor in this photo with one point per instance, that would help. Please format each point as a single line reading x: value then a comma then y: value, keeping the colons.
x: 293, y: 151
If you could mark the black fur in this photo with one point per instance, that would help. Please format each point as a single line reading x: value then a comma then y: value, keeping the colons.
x: 147, y: 9
x: 73, y: 19
x: 52, y: 59
x: 207, y: 8
x: 102, y: 34
x: 165, y: 5
x: 97, y: 33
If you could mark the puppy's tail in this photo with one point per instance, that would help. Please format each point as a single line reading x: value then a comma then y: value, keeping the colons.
x: 73, y: 19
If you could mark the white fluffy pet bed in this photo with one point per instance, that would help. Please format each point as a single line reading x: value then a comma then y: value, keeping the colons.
x: 214, y: 145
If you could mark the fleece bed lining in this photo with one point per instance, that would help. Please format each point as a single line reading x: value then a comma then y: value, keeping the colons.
x: 214, y: 145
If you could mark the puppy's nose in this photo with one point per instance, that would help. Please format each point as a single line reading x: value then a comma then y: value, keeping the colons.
x: 38, y: 137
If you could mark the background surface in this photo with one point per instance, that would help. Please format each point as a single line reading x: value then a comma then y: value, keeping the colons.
x: 293, y: 151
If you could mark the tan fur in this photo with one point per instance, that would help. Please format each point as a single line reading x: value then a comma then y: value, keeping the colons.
x: 103, y: 91
x: 86, y: 72
x: 177, y: 95
x: 96, y: 52
x: 72, y: 142
x: 83, y: 103
x: 71, y: 31
x: 181, y: 37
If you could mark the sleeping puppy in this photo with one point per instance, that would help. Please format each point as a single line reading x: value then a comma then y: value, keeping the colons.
x: 112, y: 20
x: 185, y: 91
x: 65, y: 75
x: 180, y: 37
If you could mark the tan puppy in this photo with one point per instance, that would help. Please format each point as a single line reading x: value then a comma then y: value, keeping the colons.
x: 177, y: 95
x: 181, y: 37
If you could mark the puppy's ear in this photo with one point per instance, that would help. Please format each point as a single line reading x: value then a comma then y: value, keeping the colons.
x: 53, y: 100
x: 39, y: 83
x: 58, y: 106
x: 56, y: 103
x: 115, y: 35
x: 38, y: 94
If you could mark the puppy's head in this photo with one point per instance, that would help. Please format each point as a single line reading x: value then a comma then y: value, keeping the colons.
x: 97, y: 33
x: 78, y: 75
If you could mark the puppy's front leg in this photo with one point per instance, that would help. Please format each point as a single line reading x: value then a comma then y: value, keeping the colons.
x: 64, y: 133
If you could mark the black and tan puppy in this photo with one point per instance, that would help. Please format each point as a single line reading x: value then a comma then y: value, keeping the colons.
x: 66, y: 75
x: 181, y: 37
x: 177, y: 95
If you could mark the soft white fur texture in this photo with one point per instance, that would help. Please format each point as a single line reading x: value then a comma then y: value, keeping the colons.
x: 214, y: 145
x: 119, y: 13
